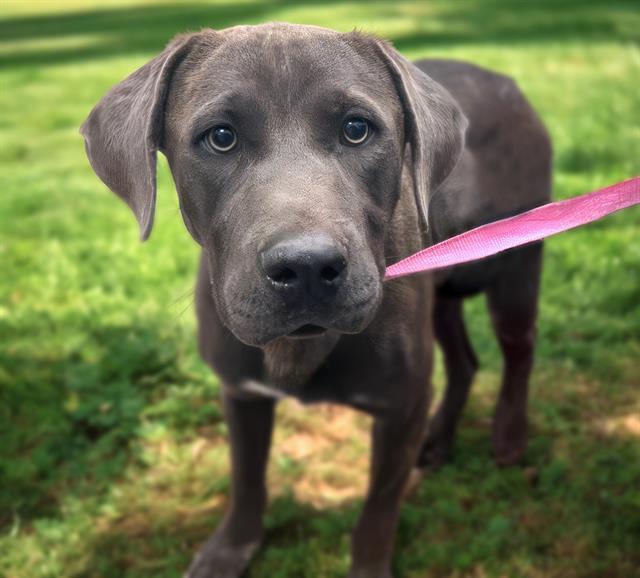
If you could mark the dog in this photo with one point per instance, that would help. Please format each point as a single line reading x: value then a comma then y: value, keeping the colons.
x: 305, y: 161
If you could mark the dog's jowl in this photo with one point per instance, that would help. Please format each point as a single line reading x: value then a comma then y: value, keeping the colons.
x: 305, y: 161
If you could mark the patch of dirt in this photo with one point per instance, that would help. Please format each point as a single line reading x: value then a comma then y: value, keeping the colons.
x: 626, y: 425
x: 320, y: 453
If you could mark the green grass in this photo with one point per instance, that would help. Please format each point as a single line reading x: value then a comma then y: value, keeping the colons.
x: 113, y: 460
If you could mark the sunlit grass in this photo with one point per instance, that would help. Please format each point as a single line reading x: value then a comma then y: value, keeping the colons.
x: 113, y: 456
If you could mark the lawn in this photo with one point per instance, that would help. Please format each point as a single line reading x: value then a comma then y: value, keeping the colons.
x: 113, y: 456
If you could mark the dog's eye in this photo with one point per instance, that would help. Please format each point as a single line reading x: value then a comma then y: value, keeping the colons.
x: 221, y: 139
x: 355, y: 130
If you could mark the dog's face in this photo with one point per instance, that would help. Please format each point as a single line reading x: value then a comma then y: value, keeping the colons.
x: 286, y: 152
x: 286, y: 144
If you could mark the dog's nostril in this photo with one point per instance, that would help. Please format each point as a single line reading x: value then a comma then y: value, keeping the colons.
x: 329, y: 273
x: 284, y: 276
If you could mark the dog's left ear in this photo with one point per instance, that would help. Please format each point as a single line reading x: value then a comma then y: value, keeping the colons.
x: 124, y: 131
x: 435, y: 125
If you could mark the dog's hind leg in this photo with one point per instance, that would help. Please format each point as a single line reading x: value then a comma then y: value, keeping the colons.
x: 228, y: 551
x: 513, y: 301
x: 460, y: 365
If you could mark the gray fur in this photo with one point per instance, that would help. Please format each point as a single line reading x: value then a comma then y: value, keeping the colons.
x: 293, y: 197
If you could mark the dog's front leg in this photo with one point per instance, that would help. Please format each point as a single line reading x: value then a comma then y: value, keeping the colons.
x: 228, y: 551
x: 395, y: 445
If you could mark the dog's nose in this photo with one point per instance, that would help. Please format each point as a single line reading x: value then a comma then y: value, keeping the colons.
x: 309, y: 265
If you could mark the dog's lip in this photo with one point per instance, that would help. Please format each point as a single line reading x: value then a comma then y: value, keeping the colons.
x: 307, y: 331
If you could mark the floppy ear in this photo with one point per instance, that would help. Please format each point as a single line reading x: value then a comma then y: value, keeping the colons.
x: 434, y: 125
x: 124, y: 131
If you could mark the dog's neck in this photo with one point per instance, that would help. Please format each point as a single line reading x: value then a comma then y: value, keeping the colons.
x: 290, y: 363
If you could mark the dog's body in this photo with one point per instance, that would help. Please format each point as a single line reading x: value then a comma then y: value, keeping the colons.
x: 505, y: 169
x: 298, y: 214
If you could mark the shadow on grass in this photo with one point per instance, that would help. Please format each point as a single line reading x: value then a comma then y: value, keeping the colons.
x: 164, y: 548
x: 467, y: 517
x: 500, y: 22
x: 147, y: 29
x: 69, y: 415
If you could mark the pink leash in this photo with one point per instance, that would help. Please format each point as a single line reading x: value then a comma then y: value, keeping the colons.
x: 524, y: 228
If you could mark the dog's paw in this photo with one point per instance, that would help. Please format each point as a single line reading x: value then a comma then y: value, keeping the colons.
x: 509, y: 437
x: 435, y: 453
x: 509, y: 453
x: 218, y: 559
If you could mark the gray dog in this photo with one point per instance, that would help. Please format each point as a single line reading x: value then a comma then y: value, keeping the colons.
x: 305, y: 161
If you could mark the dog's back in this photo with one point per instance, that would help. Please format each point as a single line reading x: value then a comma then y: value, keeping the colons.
x: 506, y: 167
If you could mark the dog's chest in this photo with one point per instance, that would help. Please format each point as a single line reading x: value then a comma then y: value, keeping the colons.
x: 357, y: 396
x: 308, y: 372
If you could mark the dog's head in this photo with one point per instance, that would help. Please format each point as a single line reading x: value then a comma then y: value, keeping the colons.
x: 286, y: 144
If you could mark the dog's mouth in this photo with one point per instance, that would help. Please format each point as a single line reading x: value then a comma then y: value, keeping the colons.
x: 258, y: 319
x: 307, y: 331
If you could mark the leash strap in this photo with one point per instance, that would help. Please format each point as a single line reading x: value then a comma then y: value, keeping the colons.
x: 521, y: 229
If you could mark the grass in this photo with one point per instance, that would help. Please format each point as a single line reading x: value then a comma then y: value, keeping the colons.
x: 113, y: 459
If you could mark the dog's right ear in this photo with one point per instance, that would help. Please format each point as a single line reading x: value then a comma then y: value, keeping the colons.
x: 124, y: 131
